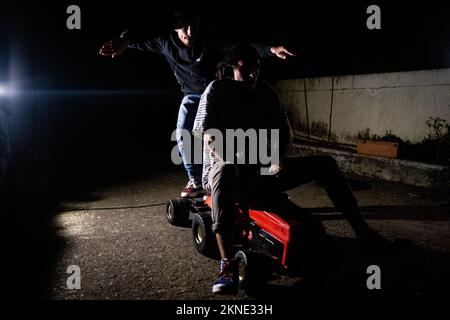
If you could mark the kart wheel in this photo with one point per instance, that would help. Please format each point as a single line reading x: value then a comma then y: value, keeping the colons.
x: 177, y: 212
x: 255, y: 270
x: 202, y: 235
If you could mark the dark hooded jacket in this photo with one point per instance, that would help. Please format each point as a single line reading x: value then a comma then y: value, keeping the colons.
x: 195, y: 66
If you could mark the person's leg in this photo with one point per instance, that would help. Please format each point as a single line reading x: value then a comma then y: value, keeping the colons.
x: 324, y: 169
x: 185, y: 123
x: 223, y: 181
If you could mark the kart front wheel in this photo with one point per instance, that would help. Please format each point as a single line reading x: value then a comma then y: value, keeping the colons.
x: 177, y: 212
x: 202, y: 235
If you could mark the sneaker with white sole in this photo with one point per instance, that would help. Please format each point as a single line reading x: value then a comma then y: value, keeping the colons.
x: 228, y: 281
x: 193, y: 189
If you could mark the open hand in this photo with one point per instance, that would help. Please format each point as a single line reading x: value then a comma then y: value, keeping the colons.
x: 275, y: 168
x: 114, y: 47
x: 281, y: 52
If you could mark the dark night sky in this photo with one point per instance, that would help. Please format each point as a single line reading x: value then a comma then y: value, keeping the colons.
x: 86, y: 132
x: 330, y: 38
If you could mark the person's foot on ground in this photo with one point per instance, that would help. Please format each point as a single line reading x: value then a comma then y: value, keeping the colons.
x: 193, y: 189
x: 228, y: 281
x: 372, y: 243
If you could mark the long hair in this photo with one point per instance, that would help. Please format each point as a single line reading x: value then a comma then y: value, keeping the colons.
x: 244, y: 52
x: 237, y: 52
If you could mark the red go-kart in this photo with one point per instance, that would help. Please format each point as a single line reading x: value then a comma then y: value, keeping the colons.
x: 268, y: 240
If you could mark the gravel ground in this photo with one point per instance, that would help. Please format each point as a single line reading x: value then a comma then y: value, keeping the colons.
x: 133, y: 253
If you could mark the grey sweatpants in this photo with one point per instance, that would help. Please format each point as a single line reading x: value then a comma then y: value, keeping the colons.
x: 223, y: 179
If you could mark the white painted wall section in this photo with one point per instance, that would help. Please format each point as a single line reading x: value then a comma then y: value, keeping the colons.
x: 343, y: 106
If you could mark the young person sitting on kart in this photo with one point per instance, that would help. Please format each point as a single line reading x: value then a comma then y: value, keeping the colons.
x: 245, y: 102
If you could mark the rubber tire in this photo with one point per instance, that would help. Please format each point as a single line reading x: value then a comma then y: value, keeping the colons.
x: 177, y: 212
x: 202, y: 235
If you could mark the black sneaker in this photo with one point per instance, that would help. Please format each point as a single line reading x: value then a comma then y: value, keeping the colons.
x: 193, y: 189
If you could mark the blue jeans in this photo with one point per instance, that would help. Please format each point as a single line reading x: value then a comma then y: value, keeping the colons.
x: 186, y: 118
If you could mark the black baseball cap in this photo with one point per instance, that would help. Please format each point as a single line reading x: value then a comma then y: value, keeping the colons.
x: 185, y: 13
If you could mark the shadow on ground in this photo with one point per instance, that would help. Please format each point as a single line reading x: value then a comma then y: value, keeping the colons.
x: 400, y: 212
x: 416, y: 273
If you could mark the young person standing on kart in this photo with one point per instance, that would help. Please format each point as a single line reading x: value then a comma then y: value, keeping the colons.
x: 194, y: 62
x: 245, y: 102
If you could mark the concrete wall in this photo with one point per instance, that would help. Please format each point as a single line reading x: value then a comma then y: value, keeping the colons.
x: 338, y: 108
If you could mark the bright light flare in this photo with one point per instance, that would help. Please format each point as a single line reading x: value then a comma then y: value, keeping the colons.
x: 3, y: 90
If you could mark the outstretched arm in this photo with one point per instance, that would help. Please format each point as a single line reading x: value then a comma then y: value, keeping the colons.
x: 117, y: 46
x: 265, y: 51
